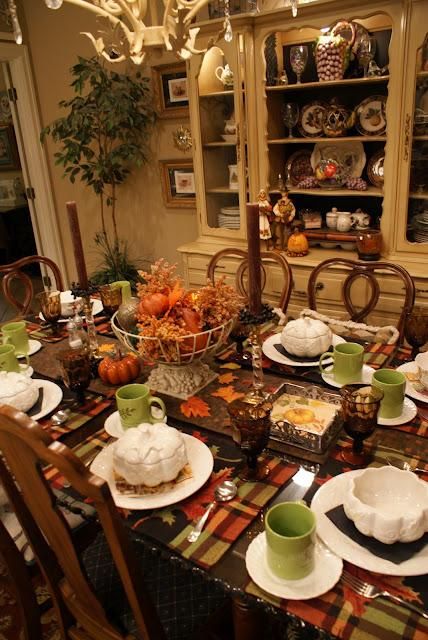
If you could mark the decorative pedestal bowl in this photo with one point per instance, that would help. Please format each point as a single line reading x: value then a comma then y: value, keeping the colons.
x: 180, y: 370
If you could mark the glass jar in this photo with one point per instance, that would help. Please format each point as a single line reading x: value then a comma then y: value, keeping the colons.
x: 369, y: 245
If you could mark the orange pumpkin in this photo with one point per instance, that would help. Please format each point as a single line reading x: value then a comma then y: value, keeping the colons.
x: 192, y: 321
x: 119, y: 370
x: 154, y: 304
x: 297, y: 243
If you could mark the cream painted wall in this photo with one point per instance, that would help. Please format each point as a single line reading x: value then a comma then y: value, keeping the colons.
x: 153, y: 231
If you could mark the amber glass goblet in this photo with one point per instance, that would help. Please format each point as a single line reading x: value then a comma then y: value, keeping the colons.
x: 416, y: 329
x: 50, y: 306
x: 111, y: 297
x: 360, y: 406
x: 251, y: 430
x: 76, y: 371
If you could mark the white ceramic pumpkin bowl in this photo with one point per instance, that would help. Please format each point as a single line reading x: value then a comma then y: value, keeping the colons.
x: 18, y: 390
x: 306, y: 337
x: 388, y: 504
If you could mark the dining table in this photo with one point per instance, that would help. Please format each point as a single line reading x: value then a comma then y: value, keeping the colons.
x: 233, y: 532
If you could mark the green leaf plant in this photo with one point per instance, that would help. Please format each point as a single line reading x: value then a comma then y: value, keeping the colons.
x: 103, y: 137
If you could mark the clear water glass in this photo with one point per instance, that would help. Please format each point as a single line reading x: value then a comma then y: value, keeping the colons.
x: 290, y: 116
x: 298, y: 60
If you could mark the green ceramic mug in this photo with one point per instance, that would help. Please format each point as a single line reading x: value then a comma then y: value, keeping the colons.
x: 290, y: 538
x: 347, y: 362
x: 16, y: 334
x: 134, y: 402
x: 393, y: 385
x: 8, y: 361
x: 126, y: 289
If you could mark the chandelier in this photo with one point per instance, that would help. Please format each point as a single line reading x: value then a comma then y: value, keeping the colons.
x: 131, y: 36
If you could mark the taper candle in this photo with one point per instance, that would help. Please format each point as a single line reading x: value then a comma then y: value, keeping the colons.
x: 79, y: 257
x: 254, y: 272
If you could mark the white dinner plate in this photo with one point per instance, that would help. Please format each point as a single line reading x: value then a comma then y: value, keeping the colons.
x: 327, y: 571
x: 97, y: 307
x: 365, y: 377
x: 273, y: 354
x: 33, y: 347
x: 411, y: 367
x: 330, y: 495
x: 409, y: 412
x: 113, y: 425
x: 201, y: 462
x: 52, y: 396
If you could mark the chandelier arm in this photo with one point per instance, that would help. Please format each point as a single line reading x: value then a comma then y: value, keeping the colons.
x: 84, y: 4
x: 133, y: 19
x: 196, y: 8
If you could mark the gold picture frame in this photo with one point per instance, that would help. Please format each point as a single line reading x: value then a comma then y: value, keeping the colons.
x: 178, y: 183
x: 171, y: 90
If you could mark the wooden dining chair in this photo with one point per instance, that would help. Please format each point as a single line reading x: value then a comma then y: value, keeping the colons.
x: 371, y: 273
x: 112, y: 589
x: 241, y: 281
x: 20, y: 295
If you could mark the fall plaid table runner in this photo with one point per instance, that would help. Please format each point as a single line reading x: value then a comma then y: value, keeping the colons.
x: 343, y: 613
x: 171, y: 525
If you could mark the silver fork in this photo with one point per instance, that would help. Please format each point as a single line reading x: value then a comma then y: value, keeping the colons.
x: 370, y: 591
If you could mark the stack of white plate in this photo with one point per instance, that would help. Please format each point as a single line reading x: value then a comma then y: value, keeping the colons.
x: 420, y: 227
x: 228, y: 218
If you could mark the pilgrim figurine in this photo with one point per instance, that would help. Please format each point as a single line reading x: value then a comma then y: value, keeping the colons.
x: 284, y: 212
x: 265, y: 209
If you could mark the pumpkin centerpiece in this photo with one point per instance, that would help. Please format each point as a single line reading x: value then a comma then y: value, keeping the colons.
x: 117, y: 369
x: 306, y: 337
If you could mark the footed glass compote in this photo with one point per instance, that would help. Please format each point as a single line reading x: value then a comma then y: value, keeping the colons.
x: 416, y: 329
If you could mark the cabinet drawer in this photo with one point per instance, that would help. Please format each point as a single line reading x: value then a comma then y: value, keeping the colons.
x: 226, y: 265
x: 394, y: 285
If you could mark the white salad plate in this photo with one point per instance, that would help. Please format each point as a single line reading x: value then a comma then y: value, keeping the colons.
x: 27, y: 371
x: 97, y: 307
x: 409, y: 412
x: 327, y: 571
x: 332, y: 494
x: 113, y: 425
x: 201, y: 463
x: 33, y: 347
x: 52, y: 396
x: 365, y: 377
x: 272, y: 353
x: 412, y: 367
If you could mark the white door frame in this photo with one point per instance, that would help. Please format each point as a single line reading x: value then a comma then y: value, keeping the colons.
x: 33, y: 160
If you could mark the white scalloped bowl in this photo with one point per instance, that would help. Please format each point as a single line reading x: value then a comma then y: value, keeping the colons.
x: 388, y: 504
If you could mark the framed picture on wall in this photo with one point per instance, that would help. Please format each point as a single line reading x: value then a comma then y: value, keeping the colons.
x: 170, y: 85
x: 178, y: 183
x: 9, y: 158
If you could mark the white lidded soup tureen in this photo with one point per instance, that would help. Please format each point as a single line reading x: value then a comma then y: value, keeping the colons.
x: 306, y: 337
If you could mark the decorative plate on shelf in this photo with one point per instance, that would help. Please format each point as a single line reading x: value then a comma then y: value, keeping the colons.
x: 311, y: 119
x: 375, y: 168
x: 350, y: 155
x: 298, y: 166
x: 371, y: 116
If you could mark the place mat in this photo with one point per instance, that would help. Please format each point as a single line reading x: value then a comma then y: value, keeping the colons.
x: 103, y: 325
x: 45, y: 333
x: 79, y: 414
x: 171, y: 525
x: 397, y: 552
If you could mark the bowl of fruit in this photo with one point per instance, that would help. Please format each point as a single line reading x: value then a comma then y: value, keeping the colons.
x: 330, y: 174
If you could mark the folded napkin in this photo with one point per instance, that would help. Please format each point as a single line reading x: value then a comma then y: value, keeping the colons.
x: 304, y: 414
x: 397, y: 552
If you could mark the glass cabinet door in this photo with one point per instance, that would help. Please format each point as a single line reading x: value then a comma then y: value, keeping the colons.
x: 413, y: 225
x: 220, y: 156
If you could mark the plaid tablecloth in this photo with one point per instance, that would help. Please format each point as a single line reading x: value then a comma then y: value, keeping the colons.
x: 171, y: 525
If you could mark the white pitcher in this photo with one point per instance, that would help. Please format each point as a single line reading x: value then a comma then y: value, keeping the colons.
x: 344, y: 221
x: 225, y: 75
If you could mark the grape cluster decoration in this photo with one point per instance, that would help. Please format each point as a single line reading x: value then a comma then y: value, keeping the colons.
x: 331, y: 57
x: 357, y: 184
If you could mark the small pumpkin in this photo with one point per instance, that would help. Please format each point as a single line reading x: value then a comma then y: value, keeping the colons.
x: 154, y: 304
x: 119, y: 370
x: 306, y: 337
x: 192, y: 322
x: 297, y: 243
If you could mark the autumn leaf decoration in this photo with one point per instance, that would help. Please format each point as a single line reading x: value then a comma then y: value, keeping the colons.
x: 195, y: 408
x: 227, y: 393
x: 227, y: 378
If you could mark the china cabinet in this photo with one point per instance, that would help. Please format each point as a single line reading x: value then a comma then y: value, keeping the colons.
x: 373, y: 123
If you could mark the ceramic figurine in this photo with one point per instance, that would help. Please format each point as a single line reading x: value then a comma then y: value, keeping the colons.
x: 265, y: 209
x: 297, y: 243
x: 360, y: 220
x: 337, y: 119
x: 283, y: 79
x: 284, y: 212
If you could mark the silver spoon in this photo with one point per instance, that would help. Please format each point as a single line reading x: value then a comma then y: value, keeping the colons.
x: 224, y: 492
x: 60, y: 417
x: 404, y: 465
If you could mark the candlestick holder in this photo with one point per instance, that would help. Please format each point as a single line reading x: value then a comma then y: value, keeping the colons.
x: 254, y: 321
x: 85, y: 294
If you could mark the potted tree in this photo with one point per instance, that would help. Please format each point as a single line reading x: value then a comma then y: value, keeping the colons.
x: 104, y: 135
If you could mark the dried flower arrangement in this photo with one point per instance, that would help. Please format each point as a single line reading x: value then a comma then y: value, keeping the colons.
x: 169, y: 314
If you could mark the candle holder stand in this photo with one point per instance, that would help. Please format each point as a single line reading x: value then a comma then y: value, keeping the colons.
x: 254, y: 321
x: 91, y: 331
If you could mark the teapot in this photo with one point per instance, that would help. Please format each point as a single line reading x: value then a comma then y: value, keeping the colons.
x: 360, y: 220
x: 337, y: 119
x: 343, y: 221
x: 225, y: 75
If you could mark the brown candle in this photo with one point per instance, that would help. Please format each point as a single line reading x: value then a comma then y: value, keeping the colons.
x: 79, y: 258
x: 254, y: 272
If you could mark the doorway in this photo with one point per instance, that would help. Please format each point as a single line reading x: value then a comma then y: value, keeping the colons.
x: 28, y: 223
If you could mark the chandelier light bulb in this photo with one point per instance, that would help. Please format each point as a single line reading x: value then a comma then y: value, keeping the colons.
x: 54, y: 4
